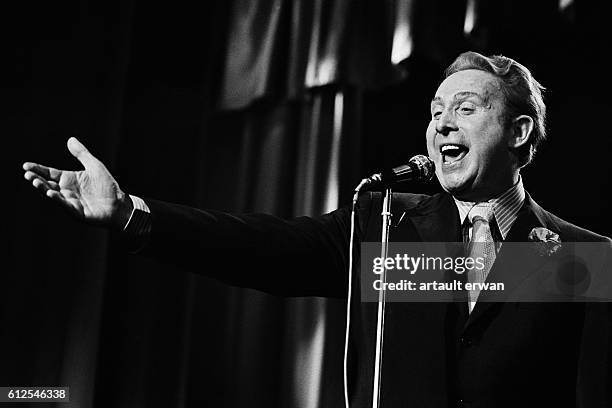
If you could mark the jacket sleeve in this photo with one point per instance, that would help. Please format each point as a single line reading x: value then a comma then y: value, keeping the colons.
x: 304, y: 256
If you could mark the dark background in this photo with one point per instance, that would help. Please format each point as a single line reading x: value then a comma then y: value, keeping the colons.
x: 270, y: 106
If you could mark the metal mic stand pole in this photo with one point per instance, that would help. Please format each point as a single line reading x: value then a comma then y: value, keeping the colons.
x: 380, y: 321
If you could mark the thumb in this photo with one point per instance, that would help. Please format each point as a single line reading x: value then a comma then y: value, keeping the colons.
x: 78, y: 150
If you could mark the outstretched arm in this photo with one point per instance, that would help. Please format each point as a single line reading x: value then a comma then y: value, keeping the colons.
x: 91, y: 194
x: 300, y: 257
x: 304, y: 256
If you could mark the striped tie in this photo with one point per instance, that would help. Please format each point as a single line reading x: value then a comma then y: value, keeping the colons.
x: 481, y: 245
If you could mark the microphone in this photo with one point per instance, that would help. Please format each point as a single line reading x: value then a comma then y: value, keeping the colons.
x: 418, y: 168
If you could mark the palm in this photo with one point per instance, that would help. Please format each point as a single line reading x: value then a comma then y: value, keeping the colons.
x: 91, y: 194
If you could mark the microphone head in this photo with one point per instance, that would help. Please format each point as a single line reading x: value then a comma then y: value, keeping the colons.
x: 424, y: 166
x: 418, y: 168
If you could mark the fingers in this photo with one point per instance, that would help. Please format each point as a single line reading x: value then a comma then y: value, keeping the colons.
x: 59, y: 198
x: 39, y: 183
x: 52, y: 190
x: 64, y: 202
x: 31, y: 176
x: 79, y: 151
x: 55, y: 196
x: 48, y: 173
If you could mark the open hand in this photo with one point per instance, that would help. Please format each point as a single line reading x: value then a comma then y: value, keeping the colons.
x: 92, y: 194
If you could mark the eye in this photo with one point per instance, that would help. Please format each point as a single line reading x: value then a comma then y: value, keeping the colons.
x: 466, y: 108
x: 435, y: 113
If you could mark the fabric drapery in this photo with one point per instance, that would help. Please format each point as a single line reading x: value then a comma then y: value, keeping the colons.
x: 272, y: 106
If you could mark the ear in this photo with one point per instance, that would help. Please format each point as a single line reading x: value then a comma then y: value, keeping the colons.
x: 521, y: 127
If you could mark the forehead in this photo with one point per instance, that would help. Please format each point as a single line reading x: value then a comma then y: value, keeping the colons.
x: 476, y: 81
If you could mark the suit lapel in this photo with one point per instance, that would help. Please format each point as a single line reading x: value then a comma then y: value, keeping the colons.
x: 436, y: 219
x: 512, y: 267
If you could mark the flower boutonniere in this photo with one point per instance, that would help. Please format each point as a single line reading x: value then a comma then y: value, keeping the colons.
x: 549, y: 242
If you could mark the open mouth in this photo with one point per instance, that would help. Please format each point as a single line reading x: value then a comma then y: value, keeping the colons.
x: 452, y: 153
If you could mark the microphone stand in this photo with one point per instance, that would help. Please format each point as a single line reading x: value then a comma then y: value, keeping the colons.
x: 380, y: 320
x: 421, y: 168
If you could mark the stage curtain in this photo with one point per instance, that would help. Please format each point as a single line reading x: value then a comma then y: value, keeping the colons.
x: 276, y: 106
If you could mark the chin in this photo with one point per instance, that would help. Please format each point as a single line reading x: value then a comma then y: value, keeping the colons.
x: 455, y: 186
x: 452, y: 182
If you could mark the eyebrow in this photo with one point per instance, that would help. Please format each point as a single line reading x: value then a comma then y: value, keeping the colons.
x: 460, y: 95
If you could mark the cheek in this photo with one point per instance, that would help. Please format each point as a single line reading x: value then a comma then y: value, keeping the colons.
x: 431, y: 129
x: 430, y: 136
x: 430, y: 150
x: 491, y: 139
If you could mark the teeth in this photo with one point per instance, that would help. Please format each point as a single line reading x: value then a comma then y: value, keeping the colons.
x: 452, y: 153
x: 446, y: 148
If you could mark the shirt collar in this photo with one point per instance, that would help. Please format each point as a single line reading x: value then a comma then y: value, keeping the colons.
x: 505, y: 207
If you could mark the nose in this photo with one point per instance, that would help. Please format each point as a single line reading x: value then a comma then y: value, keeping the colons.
x: 446, y: 122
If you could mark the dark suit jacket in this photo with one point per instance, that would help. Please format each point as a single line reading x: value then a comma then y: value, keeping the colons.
x: 503, y: 354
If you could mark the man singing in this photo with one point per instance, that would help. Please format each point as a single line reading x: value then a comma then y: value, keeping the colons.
x: 487, y: 120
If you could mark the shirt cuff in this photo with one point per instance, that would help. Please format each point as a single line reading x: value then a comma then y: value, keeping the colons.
x: 138, y: 227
